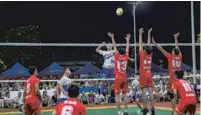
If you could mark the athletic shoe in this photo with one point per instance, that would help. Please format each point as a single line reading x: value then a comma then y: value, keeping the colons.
x: 125, y: 113
x: 145, y: 111
x: 153, y: 111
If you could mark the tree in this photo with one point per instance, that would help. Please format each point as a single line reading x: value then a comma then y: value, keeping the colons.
x: 24, y: 55
x: 198, y: 38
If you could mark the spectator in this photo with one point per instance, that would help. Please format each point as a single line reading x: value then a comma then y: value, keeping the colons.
x: 100, y: 99
x: 91, y: 97
x: 17, y: 100
x: 8, y: 102
x: 84, y: 98
x: 53, y: 99
x: 45, y: 99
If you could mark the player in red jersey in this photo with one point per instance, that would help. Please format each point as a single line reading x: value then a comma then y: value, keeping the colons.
x: 174, y: 63
x: 187, y: 101
x: 145, y: 79
x: 71, y: 106
x: 32, y: 96
x: 120, y: 66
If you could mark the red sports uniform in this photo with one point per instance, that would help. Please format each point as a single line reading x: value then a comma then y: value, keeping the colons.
x: 187, y: 101
x: 71, y: 107
x: 32, y: 102
x: 174, y: 63
x: 145, y: 79
x: 120, y: 67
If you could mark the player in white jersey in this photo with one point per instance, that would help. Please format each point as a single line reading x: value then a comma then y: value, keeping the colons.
x: 62, y: 86
x: 137, y: 92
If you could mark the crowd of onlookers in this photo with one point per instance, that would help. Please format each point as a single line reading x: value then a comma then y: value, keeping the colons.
x: 103, y: 95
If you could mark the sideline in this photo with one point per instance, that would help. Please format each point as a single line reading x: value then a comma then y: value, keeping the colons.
x: 92, y: 108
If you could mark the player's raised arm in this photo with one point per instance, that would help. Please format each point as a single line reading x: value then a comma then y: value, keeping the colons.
x: 176, y: 40
x: 128, y: 36
x: 140, y: 38
x: 159, y: 47
x: 99, y: 47
x: 111, y: 35
x: 149, y: 36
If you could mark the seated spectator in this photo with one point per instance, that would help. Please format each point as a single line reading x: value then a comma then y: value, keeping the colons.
x: 92, y: 97
x: 8, y: 102
x: 84, y: 98
x: 45, y: 99
x: 100, y: 99
x: 17, y: 100
x: 53, y: 99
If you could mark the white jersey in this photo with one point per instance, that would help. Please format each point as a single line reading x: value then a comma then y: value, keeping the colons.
x: 66, y: 82
x: 108, y: 58
x: 135, y: 86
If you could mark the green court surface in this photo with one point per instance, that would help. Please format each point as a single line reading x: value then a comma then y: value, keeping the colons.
x: 105, y: 111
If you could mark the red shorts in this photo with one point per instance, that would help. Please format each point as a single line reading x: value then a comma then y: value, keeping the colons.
x: 186, y: 106
x: 120, y: 84
x: 146, y: 80
x: 32, y: 106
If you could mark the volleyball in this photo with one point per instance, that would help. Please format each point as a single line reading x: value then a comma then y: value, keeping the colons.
x: 119, y: 11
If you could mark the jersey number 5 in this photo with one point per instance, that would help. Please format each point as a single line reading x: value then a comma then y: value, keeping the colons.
x: 28, y: 88
x: 122, y: 66
x: 67, y: 110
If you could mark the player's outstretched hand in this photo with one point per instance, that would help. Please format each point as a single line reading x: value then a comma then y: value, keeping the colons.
x: 141, y: 31
x: 111, y: 35
x: 128, y: 36
x: 153, y: 41
x: 176, y: 35
x: 150, y: 30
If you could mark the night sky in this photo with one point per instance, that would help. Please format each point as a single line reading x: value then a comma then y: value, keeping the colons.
x: 88, y: 22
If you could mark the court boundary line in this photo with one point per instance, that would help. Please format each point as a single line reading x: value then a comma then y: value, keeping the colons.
x: 93, y: 108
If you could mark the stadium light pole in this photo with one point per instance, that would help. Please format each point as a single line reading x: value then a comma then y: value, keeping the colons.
x: 134, y: 5
x: 193, y: 41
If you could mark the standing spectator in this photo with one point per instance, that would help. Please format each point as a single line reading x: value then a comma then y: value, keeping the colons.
x: 91, y: 97
x: 84, y: 98
x: 45, y: 99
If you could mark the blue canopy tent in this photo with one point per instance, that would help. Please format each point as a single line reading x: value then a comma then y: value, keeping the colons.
x: 186, y: 67
x: 88, y: 68
x: 158, y: 69
x: 53, y: 69
x: 16, y: 71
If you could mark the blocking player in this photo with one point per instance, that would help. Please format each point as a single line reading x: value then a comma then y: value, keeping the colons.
x: 62, y: 86
x: 145, y: 79
x: 187, y: 101
x: 108, y: 65
x: 174, y: 64
x: 120, y: 82
x: 71, y: 106
x: 32, y: 97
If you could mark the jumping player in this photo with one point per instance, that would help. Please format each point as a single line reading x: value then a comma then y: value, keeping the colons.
x: 32, y: 96
x: 71, y: 106
x: 120, y: 82
x: 62, y: 86
x: 108, y: 65
x: 174, y: 64
x: 187, y: 101
x: 145, y: 79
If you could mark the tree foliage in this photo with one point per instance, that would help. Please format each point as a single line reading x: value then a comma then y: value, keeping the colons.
x: 24, y: 55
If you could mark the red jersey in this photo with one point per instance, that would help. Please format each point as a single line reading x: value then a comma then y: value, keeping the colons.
x: 145, y: 62
x: 120, y: 64
x: 71, y: 107
x: 174, y: 62
x: 30, y: 93
x: 184, y: 90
